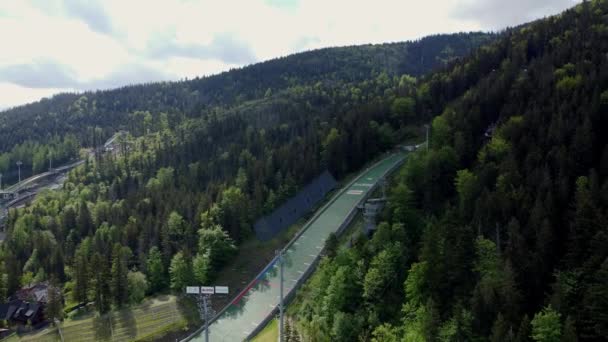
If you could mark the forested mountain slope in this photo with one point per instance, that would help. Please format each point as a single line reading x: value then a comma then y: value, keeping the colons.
x: 54, y: 126
x: 500, y: 231
x: 180, y: 194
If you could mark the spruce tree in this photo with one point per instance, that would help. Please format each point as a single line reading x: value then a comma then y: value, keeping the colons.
x: 156, y: 270
x: 102, y: 284
x: 120, y: 285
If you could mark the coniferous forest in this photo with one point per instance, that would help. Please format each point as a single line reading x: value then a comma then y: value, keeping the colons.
x: 497, y: 232
x: 201, y: 161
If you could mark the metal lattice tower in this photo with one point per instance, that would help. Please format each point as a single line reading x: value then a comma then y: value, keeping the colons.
x: 205, y: 311
x: 203, y: 300
x: 281, y: 304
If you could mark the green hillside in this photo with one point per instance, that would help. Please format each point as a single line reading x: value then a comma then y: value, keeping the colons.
x: 203, y: 159
x: 58, y: 126
x: 499, y: 232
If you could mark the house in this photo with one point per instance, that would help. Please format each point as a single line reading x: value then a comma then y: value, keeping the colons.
x: 36, y: 293
x: 7, y: 310
x: 26, y: 305
x: 29, y: 312
x: 21, y: 312
x: 5, y: 332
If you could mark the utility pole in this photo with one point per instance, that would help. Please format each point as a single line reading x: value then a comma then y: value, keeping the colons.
x: 0, y: 181
x: 58, y: 325
x: 19, y: 163
x: 203, y: 297
x: 281, y: 304
x: 204, y: 302
x: 50, y: 162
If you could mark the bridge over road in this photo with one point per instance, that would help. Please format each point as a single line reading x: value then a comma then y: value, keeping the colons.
x: 258, y: 301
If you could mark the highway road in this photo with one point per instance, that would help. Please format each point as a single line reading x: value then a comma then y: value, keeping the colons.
x: 56, y: 182
x: 250, y: 308
x: 23, y: 183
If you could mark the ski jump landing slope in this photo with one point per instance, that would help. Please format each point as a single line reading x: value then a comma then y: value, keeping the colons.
x: 251, y: 308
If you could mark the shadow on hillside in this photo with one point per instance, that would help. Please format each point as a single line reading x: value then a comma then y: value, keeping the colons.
x: 128, y: 323
x: 188, y: 308
x: 102, y: 326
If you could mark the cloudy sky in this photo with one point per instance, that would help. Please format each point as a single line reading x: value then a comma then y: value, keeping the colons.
x: 52, y: 46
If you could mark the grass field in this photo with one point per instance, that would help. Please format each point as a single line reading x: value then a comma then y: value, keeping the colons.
x: 269, y: 334
x: 154, y: 316
x: 46, y: 335
x: 128, y: 324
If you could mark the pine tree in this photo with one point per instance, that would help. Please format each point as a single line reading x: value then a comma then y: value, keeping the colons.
x: 331, y: 245
x: 180, y: 272
x: 584, y: 224
x: 546, y: 326
x: 81, y: 277
x: 525, y: 330
x: 156, y: 270
x: 120, y: 285
x: 102, y: 284
x: 569, y: 334
x: 431, y: 321
x: 84, y: 220
x: 57, y: 265
x: 595, y: 313
x: 54, y: 307
x: 202, y: 268
x: 3, y: 282
x: 499, y: 330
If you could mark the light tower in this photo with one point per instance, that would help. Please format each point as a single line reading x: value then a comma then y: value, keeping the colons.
x: 19, y: 163
x: 281, y: 305
x: 203, y: 295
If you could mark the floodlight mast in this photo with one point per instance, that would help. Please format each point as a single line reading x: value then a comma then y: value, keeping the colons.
x: 203, y: 295
x: 19, y: 163
x: 281, y: 306
x: 206, y: 311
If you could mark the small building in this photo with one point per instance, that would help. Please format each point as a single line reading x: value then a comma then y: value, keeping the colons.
x: 34, y: 292
x: 371, y: 209
x: 5, y: 333
x: 26, y: 305
x: 29, y: 312
x: 21, y: 312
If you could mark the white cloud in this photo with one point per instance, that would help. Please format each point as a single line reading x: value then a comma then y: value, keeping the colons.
x: 109, y: 43
x: 14, y: 95
x: 498, y: 14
